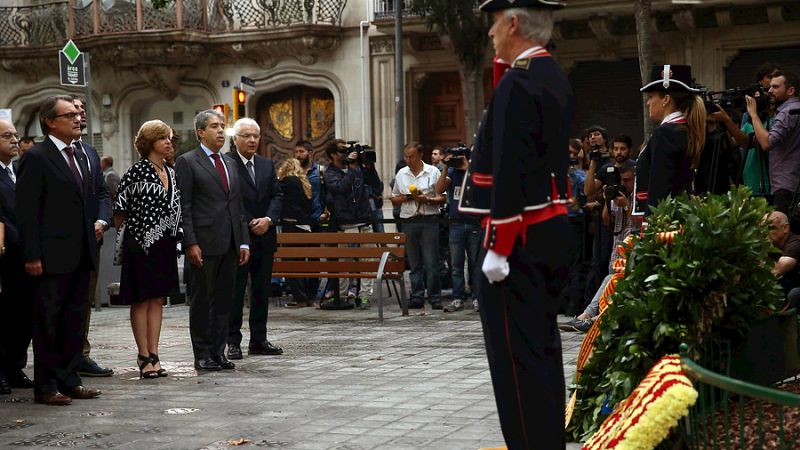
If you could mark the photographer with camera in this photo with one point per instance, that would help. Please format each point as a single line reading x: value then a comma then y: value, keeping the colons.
x: 782, y: 141
x: 599, y: 157
x: 415, y: 192
x: 465, y: 230
x: 348, y: 198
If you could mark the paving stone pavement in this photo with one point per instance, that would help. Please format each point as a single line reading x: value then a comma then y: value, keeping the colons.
x: 344, y: 382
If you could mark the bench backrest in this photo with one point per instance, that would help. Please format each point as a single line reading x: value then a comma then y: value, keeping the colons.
x: 340, y: 260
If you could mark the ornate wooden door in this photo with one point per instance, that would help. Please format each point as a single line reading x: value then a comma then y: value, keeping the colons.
x: 294, y: 114
x: 442, y: 115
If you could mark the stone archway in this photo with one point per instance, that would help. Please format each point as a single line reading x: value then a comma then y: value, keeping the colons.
x: 293, y: 114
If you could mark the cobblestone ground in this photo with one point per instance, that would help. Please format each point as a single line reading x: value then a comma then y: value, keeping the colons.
x: 344, y: 382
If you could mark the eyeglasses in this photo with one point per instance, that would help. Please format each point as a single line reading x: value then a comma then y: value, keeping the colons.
x: 249, y: 136
x: 8, y: 136
x: 69, y: 116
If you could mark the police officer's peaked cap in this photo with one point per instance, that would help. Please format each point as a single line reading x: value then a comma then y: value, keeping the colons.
x: 670, y: 78
x: 496, y: 5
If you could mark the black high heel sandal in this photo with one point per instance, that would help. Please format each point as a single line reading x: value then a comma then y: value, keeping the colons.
x: 161, y: 372
x: 143, y: 361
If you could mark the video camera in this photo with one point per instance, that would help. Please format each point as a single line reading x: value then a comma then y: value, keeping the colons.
x: 364, y: 152
x: 734, y: 99
x: 460, y: 153
x: 612, y: 182
x: 596, y: 155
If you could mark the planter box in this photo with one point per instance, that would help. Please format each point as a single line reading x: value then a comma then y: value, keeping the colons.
x: 768, y: 353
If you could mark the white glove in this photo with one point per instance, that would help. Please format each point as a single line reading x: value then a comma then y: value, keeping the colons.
x: 495, y: 267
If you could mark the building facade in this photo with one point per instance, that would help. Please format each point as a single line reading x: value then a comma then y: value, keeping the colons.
x: 324, y: 69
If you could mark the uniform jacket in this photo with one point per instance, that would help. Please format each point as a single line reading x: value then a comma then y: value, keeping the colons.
x: 664, y: 166
x: 210, y: 216
x: 263, y: 198
x: 518, y: 170
x: 55, y: 219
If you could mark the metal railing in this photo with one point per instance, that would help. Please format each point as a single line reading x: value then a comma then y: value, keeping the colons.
x: 385, y: 9
x: 53, y: 23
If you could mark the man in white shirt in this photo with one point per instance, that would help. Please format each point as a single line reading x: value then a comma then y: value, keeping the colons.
x: 415, y: 192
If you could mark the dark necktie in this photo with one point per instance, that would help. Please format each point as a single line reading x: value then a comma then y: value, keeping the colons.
x: 220, y: 170
x: 11, y: 174
x: 74, y: 167
x: 251, y: 171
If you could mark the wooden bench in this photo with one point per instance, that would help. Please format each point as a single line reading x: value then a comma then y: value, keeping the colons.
x: 380, y: 256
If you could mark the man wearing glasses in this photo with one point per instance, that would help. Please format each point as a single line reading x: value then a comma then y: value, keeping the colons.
x: 56, y: 211
x: 15, y: 302
x: 262, y: 198
x: 215, y: 238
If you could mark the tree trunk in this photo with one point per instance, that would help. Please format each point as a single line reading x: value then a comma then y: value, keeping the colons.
x: 643, y: 14
x: 472, y: 93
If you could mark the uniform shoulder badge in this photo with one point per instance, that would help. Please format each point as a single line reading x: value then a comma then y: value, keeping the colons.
x: 522, y: 64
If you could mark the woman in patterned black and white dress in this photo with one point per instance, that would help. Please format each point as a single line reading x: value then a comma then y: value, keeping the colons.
x: 148, y: 204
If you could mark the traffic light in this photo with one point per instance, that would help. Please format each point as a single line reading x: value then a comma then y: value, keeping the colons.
x: 223, y: 109
x: 239, y: 104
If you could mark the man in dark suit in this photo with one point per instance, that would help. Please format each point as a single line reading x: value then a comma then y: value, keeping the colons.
x: 215, y: 239
x: 57, y: 210
x: 88, y: 367
x: 16, y: 325
x: 262, y: 209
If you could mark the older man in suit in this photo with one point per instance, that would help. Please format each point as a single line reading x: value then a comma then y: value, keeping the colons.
x: 57, y: 210
x: 216, y: 238
x: 17, y: 324
x: 262, y: 208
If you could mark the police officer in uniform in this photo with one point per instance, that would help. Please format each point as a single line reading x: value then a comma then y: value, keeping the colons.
x: 517, y: 182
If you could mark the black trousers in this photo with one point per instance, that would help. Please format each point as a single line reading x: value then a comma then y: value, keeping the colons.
x: 259, y: 269
x: 16, y: 325
x: 523, y: 343
x: 211, y: 300
x: 59, y: 321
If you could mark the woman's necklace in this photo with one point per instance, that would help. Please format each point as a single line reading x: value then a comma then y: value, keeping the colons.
x: 161, y: 172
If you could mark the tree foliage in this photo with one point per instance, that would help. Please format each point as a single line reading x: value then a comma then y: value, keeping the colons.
x: 458, y: 20
x: 715, y: 280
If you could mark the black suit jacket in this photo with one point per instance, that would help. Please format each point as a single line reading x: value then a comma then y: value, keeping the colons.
x: 102, y: 208
x: 263, y: 198
x: 7, y: 200
x: 55, y: 219
x: 211, y: 217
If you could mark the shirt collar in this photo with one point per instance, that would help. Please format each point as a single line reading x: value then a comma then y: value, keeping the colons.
x: 790, y: 101
x: 207, y: 150
x: 61, y: 145
x: 245, y: 160
x: 4, y: 166
x: 677, y: 116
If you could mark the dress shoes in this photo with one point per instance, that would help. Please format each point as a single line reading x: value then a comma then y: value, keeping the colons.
x: 234, y: 351
x: 52, y: 399
x: 264, y: 348
x: 5, y: 388
x: 223, y: 363
x: 89, y: 368
x: 207, y: 364
x: 19, y: 380
x: 82, y: 393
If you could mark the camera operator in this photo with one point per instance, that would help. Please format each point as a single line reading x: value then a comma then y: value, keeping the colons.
x: 465, y: 230
x: 782, y: 140
x: 617, y: 210
x: 349, y: 204
x: 599, y: 156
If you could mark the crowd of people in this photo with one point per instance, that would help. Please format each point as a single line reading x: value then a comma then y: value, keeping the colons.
x: 699, y: 147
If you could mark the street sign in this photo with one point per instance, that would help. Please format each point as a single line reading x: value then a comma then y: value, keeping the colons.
x: 71, y: 65
x: 248, y: 85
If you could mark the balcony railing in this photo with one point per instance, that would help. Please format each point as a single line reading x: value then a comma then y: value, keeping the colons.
x: 53, y: 23
x: 385, y: 9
